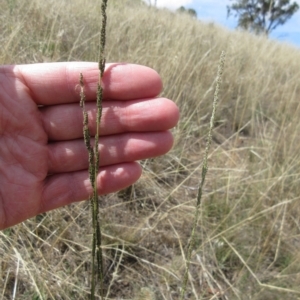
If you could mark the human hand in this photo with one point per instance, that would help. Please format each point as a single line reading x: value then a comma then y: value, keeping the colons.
x: 43, y: 159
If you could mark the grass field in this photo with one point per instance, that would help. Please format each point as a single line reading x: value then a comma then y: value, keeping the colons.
x: 248, y: 237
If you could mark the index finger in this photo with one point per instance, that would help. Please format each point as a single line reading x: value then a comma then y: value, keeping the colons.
x: 58, y: 83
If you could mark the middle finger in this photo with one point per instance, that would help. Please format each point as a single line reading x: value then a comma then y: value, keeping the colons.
x: 64, y: 122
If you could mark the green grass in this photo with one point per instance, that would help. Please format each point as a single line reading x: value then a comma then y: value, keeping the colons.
x: 247, y: 246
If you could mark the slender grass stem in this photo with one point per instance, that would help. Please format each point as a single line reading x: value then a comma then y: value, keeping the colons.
x: 94, y: 160
x: 191, y: 245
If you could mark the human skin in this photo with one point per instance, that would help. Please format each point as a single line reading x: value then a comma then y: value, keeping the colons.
x: 43, y: 159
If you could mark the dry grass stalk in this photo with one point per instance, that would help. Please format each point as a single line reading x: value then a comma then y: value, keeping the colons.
x: 191, y: 245
x: 94, y: 160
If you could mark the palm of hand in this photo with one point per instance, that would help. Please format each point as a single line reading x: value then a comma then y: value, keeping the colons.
x: 43, y: 159
x: 23, y: 152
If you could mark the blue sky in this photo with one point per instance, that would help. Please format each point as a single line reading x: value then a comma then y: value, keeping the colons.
x: 216, y: 11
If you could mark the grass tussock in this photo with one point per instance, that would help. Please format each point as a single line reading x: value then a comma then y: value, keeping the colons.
x: 247, y: 243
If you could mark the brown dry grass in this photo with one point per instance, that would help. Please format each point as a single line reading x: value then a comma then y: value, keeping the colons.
x: 249, y: 236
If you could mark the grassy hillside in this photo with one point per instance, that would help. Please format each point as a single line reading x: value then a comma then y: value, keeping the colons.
x: 248, y: 238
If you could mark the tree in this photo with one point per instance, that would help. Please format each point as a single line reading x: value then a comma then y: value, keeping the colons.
x: 181, y: 9
x: 262, y: 16
x: 189, y: 11
x: 192, y: 12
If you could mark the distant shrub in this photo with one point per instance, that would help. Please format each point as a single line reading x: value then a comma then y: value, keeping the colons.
x: 189, y: 11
